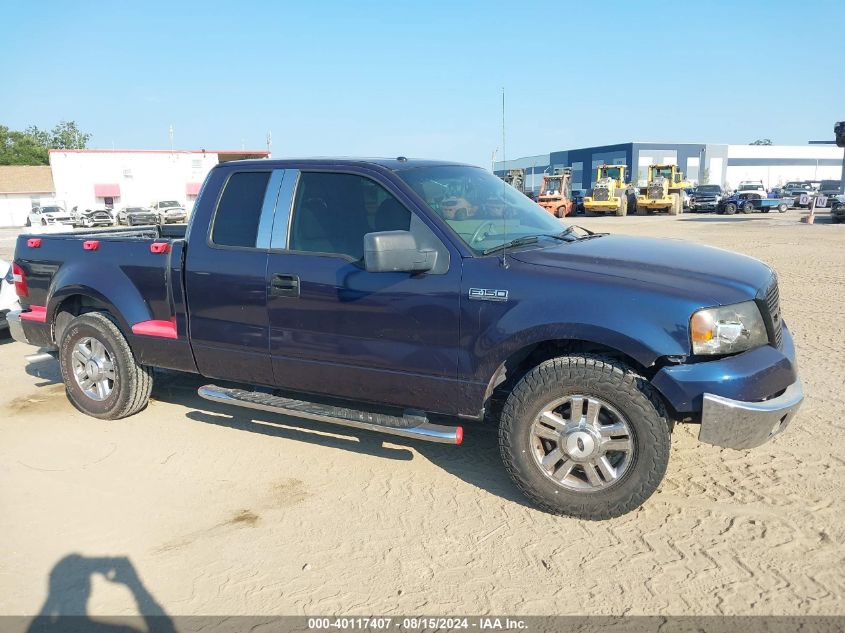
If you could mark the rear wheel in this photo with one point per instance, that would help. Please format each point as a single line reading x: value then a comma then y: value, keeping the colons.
x: 782, y: 207
x: 585, y: 436
x: 102, y: 378
x: 747, y: 207
x: 730, y: 208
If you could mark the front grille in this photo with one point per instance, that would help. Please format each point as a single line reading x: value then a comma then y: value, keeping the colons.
x: 655, y: 192
x: 774, y: 322
x: 600, y: 194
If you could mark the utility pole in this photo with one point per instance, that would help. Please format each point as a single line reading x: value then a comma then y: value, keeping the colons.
x: 270, y: 143
x: 171, y: 137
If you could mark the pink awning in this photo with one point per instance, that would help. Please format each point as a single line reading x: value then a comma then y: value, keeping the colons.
x: 193, y: 188
x: 106, y: 191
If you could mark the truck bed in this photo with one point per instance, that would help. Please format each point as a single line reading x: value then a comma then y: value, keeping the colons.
x: 136, y: 274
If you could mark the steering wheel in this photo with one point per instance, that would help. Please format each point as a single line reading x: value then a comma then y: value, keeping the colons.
x: 476, y: 236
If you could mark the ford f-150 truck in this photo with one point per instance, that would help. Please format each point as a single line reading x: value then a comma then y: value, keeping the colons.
x: 343, y: 291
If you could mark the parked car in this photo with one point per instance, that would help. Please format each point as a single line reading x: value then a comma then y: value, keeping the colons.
x: 578, y: 200
x: 830, y: 188
x: 94, y: 217
x: 48, y: 216
x: 837, y: 209
x: 706, y: 198
x: 169, y: 211
x: 133, y: 216
x: 799, y: 191
x: 752, y: 188
x: 370, y: 312
x: 8, y: 297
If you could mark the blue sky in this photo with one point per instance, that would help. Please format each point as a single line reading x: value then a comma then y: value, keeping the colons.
x: 424, y: 78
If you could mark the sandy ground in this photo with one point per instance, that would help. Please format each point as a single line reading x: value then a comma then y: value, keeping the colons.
x: 224, y: 512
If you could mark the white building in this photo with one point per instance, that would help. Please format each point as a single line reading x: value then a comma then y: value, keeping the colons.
x: 98, y: 178
x: 778, y: 164
x: 21, y: 188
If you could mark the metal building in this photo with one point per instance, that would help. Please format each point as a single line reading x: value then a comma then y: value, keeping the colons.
x: 725, y: 165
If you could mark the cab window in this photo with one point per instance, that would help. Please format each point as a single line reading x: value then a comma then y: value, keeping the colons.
x: 332, y: 212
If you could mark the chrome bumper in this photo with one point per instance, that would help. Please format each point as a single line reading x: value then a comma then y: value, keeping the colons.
x: 742, y: 425
x: 15, y: 327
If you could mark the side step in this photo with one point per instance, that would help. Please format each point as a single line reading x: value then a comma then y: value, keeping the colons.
x: 413, y: 424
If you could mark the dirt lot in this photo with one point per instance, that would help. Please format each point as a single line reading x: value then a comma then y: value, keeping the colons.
x: 220, y: 511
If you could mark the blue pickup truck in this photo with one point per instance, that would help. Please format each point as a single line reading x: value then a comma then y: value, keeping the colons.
x: 348, y: 291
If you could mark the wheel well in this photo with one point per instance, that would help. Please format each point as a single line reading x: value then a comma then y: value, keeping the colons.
x: 74, y: 306
x: 510, y: 372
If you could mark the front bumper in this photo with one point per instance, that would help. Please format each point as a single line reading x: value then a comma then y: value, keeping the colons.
x: 601, y: 205
x: 650, y: 203
x: 742, y: 425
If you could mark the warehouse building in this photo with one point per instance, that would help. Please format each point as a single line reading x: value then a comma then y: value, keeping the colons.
x: 725, y: 165
x: 23, y: 187
x: 98, y: 178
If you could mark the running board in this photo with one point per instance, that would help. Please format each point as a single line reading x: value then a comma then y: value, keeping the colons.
x: 413, y: 424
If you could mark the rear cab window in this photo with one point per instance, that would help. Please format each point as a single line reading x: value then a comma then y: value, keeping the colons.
x: 238, y: 212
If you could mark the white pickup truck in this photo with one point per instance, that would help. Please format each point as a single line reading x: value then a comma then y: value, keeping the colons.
x: 751, y: 187
x: 169, y: 211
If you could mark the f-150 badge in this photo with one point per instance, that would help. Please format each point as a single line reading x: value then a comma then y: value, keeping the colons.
x: 488, y: 294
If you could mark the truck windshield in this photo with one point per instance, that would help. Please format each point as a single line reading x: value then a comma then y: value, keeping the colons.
x: 552, y: 185
x: 708, y: 189
x: 168, y: 203
x: 612, y: 173
x: 750, y: 187
x: 482, y: 210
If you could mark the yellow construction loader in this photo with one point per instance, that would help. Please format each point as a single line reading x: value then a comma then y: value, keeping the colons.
x: 611, y: 192
x: 664, y: 191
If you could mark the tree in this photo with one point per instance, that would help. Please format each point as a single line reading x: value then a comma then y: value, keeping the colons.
x: 762, y: 141
x: 66, y: 135
x: 705, y: 177
x: 31, y: 146
x: 21, y: 148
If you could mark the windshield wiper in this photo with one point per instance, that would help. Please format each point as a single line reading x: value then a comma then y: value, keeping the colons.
x: 519, y: 241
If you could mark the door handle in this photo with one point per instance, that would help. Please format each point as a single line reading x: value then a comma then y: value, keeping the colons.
x: 284, y: 285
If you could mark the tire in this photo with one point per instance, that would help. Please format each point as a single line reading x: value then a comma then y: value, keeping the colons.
x: 677, y: 203
x: 623, y: 394
x: 560, y: 212
x: 782, y: 207
x: 126, y: 393
x: 622, y: 209
x: 747, y: 207
x: 730, y: 208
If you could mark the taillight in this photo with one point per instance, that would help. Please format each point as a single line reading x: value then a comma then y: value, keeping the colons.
x: 20, y: 281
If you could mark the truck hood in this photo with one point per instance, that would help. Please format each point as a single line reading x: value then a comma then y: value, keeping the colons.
x: 710, y: 275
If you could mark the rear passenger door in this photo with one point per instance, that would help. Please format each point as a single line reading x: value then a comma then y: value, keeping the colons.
x: 226, y: 277
x: 339, y: 330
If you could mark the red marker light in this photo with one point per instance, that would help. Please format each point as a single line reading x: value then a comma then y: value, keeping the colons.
x: 91, y: 245
x: 159, y: 247
x: 34, y: 242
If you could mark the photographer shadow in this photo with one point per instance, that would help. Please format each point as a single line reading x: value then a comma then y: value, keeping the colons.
x: 66, y: 608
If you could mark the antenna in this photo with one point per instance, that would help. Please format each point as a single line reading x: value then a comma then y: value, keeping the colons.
x: 504, y: 190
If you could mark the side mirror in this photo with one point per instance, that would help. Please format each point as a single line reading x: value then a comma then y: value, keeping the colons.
x: 396, y: 251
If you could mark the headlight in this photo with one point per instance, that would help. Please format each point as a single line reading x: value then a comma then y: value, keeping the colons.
x: 727, y: 329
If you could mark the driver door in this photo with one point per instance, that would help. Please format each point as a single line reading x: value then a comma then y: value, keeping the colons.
x: 337, y: 329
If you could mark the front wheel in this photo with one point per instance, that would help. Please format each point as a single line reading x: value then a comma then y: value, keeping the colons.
x: 102, y: 378
x: 730, y: 208
x: 585, y: 436
x: 782, y: 208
